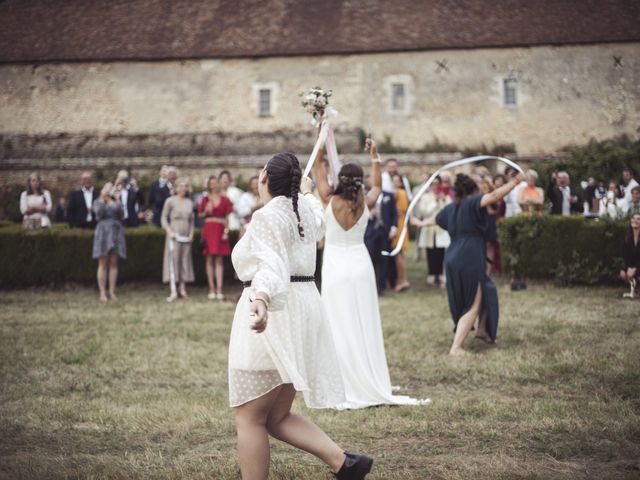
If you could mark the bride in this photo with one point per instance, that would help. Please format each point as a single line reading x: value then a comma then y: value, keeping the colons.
x: 349, y: 291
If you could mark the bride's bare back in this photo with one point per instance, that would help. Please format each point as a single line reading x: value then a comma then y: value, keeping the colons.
x: 343, y: 213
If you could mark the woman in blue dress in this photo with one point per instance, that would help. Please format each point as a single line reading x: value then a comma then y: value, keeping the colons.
x: 471, y: 292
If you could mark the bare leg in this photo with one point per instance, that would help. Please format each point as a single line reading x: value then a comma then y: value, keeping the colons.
x: 253, y: 440
x: 103, y: 267
x: 401, y: 268
x: 113, y: 273
x: 491, y: 254
x: 219, y: 272
x: 301, y: 432
x: 182, y: 288
x: 465, y: 323
x: 481, y: 332
x: 209, y: 266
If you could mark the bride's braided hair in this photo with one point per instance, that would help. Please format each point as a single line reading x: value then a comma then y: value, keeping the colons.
x: 284, y: 179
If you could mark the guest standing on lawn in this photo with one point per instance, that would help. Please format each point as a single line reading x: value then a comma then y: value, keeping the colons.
x: 177, y: 220
x: 215, y: 209
x: 471, y: 292
x: 402, y: 204
x: 35, y: 204
x: 108, y: 241
x: 280, y: 339
x: 631, y: 255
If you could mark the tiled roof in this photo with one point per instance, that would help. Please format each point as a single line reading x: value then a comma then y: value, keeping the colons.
x: 80, y: 30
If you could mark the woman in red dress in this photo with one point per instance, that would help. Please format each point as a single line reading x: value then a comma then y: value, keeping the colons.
x: 215, y: 208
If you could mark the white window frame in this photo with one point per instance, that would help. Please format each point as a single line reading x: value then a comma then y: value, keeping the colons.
x: 510, y: 82
x: 272, y: 87
x: 389, y: 84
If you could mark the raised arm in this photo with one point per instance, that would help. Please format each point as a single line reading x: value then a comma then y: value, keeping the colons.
x: 325, y: 191
x: 499, y: 193
x: 376, y: 173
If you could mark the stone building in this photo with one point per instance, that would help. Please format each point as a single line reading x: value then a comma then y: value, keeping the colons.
x: 215, y: 83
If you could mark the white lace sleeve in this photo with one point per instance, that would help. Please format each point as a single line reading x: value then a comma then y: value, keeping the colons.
x: 317, y: 217
x: 269, y: 239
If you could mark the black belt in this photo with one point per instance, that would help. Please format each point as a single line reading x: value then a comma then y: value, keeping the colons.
x: 294, y: 279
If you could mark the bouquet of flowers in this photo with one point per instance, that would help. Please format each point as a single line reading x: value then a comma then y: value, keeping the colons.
x: 315, y: 101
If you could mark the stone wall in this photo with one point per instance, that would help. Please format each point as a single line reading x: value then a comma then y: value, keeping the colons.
x: 565, y: 95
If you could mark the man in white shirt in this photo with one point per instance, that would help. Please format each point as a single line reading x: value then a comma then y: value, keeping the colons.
x: 563, y: 200
x: 512, y: 206
x: 629, y: 183
x: 79, y: 209
x: 391, y: 169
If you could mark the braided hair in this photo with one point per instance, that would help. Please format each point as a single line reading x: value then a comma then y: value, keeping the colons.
x: 350, y: 181
x: 284, y: 179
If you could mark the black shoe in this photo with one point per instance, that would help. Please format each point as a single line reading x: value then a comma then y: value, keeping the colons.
x: 355, y: 467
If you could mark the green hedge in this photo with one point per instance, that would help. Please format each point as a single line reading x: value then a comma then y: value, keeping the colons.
x: 566, y: 249
x: 59, y: 255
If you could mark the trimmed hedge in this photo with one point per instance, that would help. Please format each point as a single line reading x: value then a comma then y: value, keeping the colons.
x: 60, y: 254
x: 566, y: 249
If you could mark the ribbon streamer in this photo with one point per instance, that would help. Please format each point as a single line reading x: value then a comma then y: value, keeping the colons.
x: 427, y: 184
x: 326, y: 136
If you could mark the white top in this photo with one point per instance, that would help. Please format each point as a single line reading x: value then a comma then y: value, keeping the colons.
x: 247, y: 201
x: 234, y: 194
x: 512, y: 206
x: 297, y: 346
x: 615, y: 209
x: 33, y: 201
x: 435, y: 236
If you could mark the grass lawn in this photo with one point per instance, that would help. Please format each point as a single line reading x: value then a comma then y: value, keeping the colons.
x: 136, y: 389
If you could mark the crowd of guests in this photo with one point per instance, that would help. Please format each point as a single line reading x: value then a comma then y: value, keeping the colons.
x: 169, y: 205
x: 221, y: 206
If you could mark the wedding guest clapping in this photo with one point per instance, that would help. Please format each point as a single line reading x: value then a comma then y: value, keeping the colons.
x: 613, y: 205
x: 433, y: 238
x: 280, y: 339
x: 177, y: 220
x: 80, y: 207
x: 131, y: 205
x: 531, y: 197
x: 215, y: 208
x: 631, y: 255
x: 35, y: 204
x: 564, y: 201
x: 108, y: 241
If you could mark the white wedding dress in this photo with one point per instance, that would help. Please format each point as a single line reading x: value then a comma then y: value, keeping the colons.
x: 350, y: 299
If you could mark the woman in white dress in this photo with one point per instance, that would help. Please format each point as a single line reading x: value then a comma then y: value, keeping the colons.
x: 349, y: 291
x: 293, y: 350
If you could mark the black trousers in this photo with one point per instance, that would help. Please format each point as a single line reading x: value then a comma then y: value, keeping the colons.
x: 435, y: 260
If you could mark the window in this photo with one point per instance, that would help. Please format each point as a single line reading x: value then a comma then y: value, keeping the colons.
x: 398, y: 99
x: 399, y: 91
x: 510, y: 89
x: 264, y: 102
x: 265, y: 99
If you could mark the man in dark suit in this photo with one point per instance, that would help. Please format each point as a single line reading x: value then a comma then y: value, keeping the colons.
x: 159, y: 192
x: 380, y: 230
x: 133, y: 207
x: 564, y: 201
x: 79, y: 209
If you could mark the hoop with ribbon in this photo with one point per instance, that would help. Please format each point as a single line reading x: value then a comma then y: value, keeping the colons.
x: 427, y: 184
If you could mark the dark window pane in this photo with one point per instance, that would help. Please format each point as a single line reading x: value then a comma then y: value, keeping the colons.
x: 510, y: 91
x: 397, y: 97
x: 265, y: 101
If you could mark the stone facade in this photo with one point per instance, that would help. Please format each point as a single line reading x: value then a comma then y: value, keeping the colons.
x: 563, y: 95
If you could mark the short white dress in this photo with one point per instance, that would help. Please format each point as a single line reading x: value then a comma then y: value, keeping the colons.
x: 297, y: 345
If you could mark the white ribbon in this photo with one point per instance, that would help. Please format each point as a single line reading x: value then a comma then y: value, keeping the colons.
x: 326, y: 136
x: 427, y: 184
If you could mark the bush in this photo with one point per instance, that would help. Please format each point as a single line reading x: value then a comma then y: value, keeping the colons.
x: 60, y: 254
x: 569, y: 250
x: 603, y: 161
